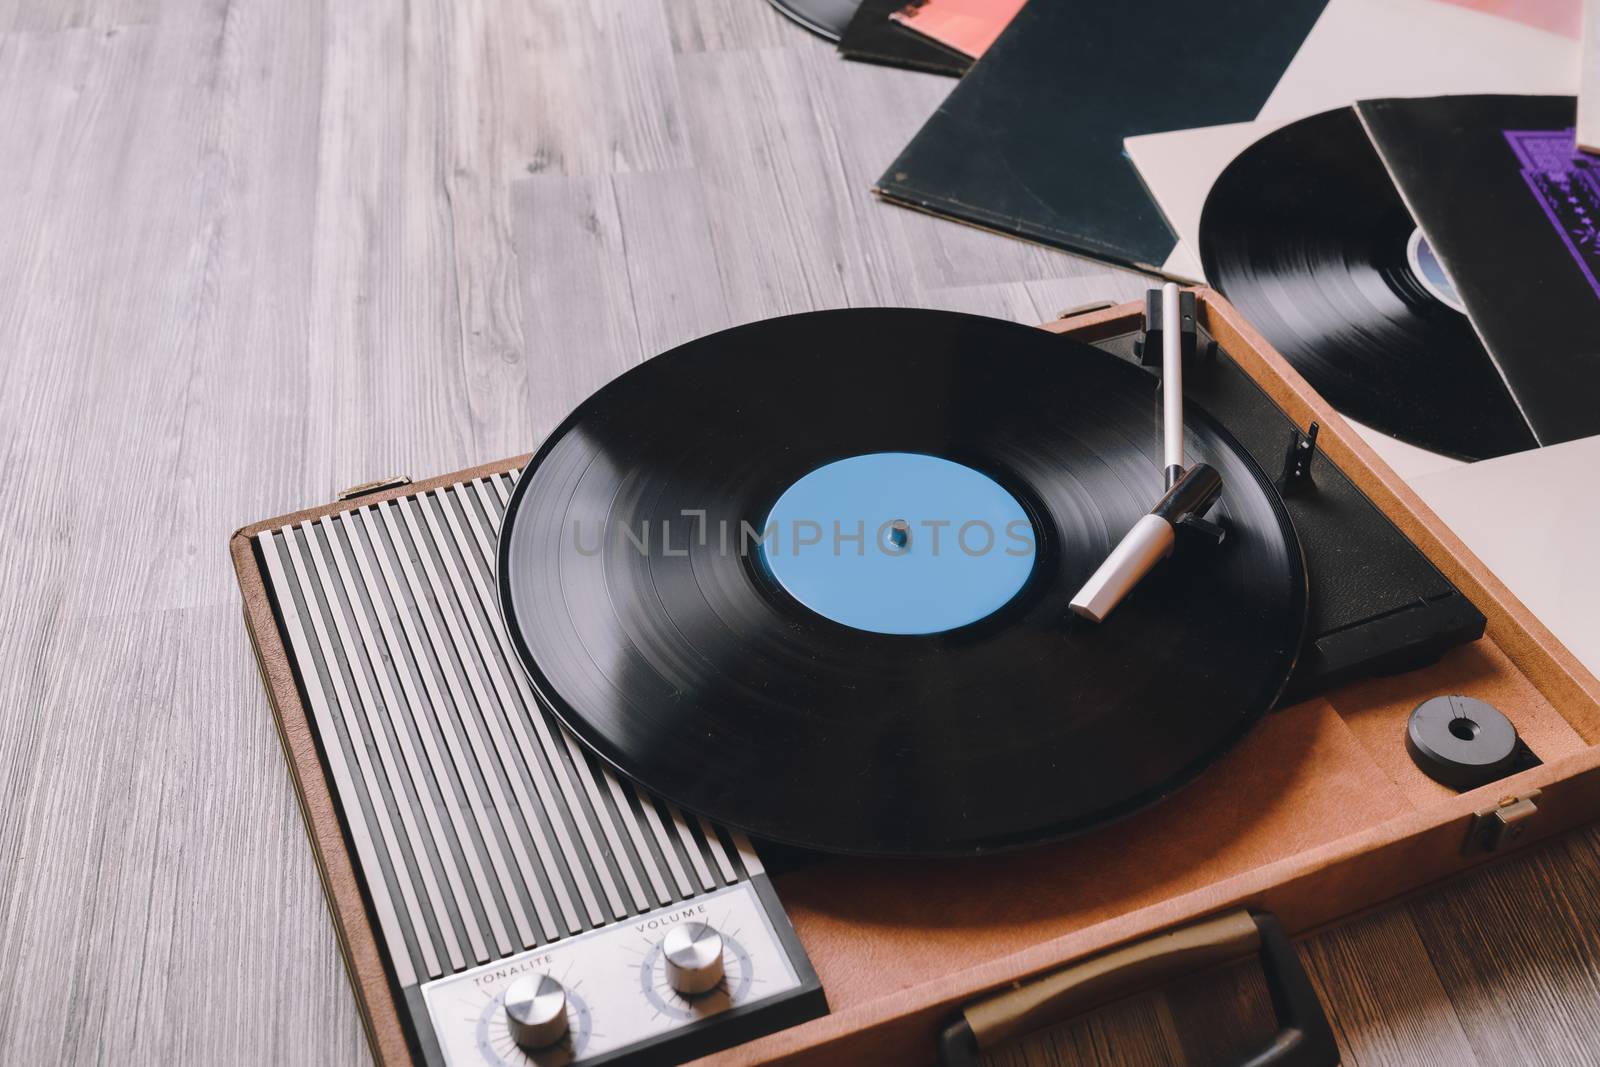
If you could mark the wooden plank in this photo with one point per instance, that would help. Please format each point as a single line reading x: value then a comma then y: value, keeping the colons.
x: 54, y: 16
x: 1515, y: 952
x: 385, y: 332
x: 1382, y: 995
x: 714, y: 25
x: 579, y: 319
x: 773, y: 187
x: 157, y: 878
x: 1005, y: 300
x: 1220, y: 1015
x: 674, y: 278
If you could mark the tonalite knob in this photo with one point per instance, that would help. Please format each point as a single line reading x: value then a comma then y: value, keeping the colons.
x: 693, y: 953
x: 536, y: 1011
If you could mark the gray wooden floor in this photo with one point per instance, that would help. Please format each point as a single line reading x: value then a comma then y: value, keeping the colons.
x: 254, y: 251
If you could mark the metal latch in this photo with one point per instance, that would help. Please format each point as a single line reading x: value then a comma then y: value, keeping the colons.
x: 1500, y: 825
x: 1085, y: 309
x: 394, y: 481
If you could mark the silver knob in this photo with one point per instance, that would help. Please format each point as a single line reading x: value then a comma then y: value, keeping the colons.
x: 693, y: 953
x: 536, y: 1011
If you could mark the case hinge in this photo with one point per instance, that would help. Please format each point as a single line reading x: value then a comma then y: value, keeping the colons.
x: 1502, y: 824
x: 394, y: 481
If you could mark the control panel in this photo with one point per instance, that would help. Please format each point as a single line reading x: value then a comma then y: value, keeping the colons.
x: 635, y: 984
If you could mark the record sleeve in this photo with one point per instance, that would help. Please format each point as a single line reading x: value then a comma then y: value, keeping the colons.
x: 1431, y: 265
x: 1491, y: 49
x: 1511, y: 209
x: 1030, y: 142
x: 968, y: 26
x: 1305, y: 233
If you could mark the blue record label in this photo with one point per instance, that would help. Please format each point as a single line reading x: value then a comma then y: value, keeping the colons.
x: 899, y: 543
x: 1430, y: 272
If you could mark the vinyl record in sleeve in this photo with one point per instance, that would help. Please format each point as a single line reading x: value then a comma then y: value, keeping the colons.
x: 1306, y: 235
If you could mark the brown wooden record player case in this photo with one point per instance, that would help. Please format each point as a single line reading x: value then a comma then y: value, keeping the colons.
x: 1317, y: 815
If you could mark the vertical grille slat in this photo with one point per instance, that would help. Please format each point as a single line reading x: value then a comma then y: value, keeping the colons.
x: 480, y: 825
x: 408, y: 673
x: 718, y: 852
x: 504, y: 702
x: 652, y: 819
x: 474, y: 759
x: 442, y: 721
x: 641, y: 847
x: 386, y: 761
x: 509, y: 675
x: 621, y: 794
x: 484, y: 721
x: 360, y: 833
x: 691, y: 848
x: 747, y: 854
x: 380, y: 659
x: 375, y: 798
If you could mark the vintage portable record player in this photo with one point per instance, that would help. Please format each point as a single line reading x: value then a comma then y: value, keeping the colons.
x: 505, y: 893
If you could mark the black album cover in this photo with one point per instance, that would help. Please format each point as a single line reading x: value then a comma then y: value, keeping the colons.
x: 1030, y: 141
x: 1511, y: 210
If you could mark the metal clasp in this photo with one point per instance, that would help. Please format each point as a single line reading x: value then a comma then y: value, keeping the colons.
x: 1500, y: 825
x: 394, y: 481
x: 1085, y: 309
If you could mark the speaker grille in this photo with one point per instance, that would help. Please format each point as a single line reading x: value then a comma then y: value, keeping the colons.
x: 480, y: 825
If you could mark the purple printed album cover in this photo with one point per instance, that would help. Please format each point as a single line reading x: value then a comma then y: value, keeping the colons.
x: 1511, y: 212
x: 1567, y: 185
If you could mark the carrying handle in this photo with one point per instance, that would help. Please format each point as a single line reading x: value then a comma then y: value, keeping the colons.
x: 1304, y: 1038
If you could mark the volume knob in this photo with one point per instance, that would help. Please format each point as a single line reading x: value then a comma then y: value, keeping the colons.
x: 536, y: 1011
x: 693, y: 953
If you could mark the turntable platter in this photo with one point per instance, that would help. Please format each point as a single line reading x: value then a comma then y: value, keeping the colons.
x: 879, y: 695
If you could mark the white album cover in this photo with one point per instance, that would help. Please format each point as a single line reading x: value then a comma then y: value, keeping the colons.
x: 1358, y: 49
x: 1521, y: 516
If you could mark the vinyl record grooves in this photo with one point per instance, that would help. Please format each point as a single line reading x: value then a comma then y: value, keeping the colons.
x: 692, y: 670
x: 1306, y: 235
x: 825, y: 18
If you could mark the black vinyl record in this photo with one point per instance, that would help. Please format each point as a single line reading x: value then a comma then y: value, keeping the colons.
x: 1306, y: 235
x: 695, y: 673
x: 825, y: 18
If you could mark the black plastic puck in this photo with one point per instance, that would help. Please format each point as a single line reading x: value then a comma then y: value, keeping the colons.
x: 1461, y: 742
